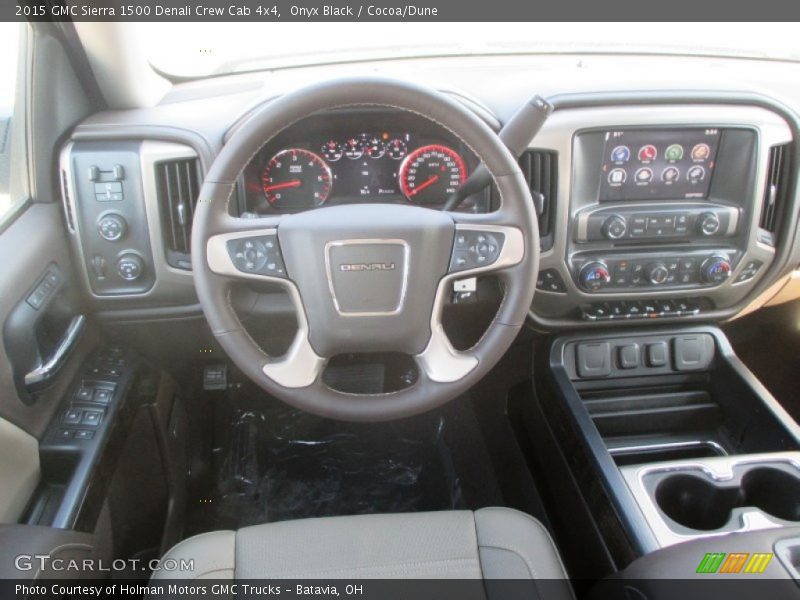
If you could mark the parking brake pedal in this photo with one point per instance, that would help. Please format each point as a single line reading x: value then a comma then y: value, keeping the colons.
x: 215, y: 377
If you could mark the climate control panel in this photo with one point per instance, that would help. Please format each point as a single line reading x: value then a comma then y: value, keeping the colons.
x: 646, y: 272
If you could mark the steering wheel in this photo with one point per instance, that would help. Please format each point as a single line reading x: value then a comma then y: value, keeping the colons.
x: 365, y: 277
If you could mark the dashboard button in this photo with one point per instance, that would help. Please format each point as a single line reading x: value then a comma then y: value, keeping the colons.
x: 615, y: 227
x: 657, y: 355
x: 633, y: 310
x: 549, y: 280
x: 629, y: 356
x: 749, y: 271
x: 665, y: 307
x: 708, y: 223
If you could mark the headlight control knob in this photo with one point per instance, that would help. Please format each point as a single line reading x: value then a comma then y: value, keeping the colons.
x: 130, y: 267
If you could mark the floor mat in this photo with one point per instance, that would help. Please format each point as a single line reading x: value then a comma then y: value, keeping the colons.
x: 273, y: 464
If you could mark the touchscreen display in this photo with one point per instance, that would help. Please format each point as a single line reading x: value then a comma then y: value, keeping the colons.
x: 658, y: 164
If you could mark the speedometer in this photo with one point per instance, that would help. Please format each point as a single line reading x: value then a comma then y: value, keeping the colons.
x: 296, y: 178
x: 431, y: 173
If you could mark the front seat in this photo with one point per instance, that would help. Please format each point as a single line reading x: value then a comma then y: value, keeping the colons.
x: 490, y: 543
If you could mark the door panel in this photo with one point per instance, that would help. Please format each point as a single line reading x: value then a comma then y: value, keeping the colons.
x: 32, y: 243
x: 19, y: 470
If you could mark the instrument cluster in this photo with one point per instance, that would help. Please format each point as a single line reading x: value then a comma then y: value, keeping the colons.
x: 341, y: 158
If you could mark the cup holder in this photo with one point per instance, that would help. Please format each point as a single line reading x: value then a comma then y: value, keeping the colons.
x: 774, y: 491
x: 695, y: 502
x: 699, y: 503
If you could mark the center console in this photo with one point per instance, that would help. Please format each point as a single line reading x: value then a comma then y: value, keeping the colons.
x: 658, y: 206
x: 667, y: 438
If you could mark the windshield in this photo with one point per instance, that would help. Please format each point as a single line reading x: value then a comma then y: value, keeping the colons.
x: 191, y: 50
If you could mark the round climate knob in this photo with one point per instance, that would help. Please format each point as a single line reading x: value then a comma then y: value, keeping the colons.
x: 130, y: 267
x: 112, y: 227
x: 708, y: 223
x: 657, y: 273
x: 715, y: 269
x: 615, y: 227
x: 594, y: 276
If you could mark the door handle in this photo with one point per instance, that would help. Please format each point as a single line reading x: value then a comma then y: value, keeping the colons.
x: 41, y: 376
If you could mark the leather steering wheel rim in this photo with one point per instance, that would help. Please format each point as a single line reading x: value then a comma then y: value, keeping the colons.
x: 297, y: 377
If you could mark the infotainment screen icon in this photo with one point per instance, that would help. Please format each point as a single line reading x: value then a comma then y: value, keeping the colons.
x: 658, y: 164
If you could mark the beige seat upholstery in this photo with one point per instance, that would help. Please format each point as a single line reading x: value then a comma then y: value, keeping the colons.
x: 491, y: 543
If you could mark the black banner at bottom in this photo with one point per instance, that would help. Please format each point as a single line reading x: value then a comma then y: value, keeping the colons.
x: 404, y: 589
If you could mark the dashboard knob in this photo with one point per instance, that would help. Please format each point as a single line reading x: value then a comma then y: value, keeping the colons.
x: 715, y: 269
x: 594, y: 276
x: 615, y: 227
x: 708, y: 223
x: 657, y: 273
x: 130, y: 267
x: 112, y: 227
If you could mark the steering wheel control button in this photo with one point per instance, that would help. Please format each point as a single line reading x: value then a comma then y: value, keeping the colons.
x: 474, y: 249
x: 550, y: 280
x: 130, y: 267
x: 112, y: 227
x: 258, y: 255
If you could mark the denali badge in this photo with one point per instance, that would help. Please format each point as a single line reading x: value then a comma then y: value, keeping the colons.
x: 367, y: 267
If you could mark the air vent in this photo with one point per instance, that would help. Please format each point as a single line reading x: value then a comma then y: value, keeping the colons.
x: 775, y: 193
x: 178, y: 185
x: 540, y: 168
x: 67, y: 201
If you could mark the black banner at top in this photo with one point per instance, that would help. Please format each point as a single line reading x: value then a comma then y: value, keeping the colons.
x: 270, y: 11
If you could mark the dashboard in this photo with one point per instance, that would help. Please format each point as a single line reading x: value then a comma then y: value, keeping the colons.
x: 658, y: 206
x: 347, y: 157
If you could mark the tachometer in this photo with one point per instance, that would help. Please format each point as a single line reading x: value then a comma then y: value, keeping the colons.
x: 296, y: 178
x: 432, y: 173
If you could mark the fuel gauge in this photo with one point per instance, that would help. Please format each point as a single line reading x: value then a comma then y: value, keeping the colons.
x: 332, y: 150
